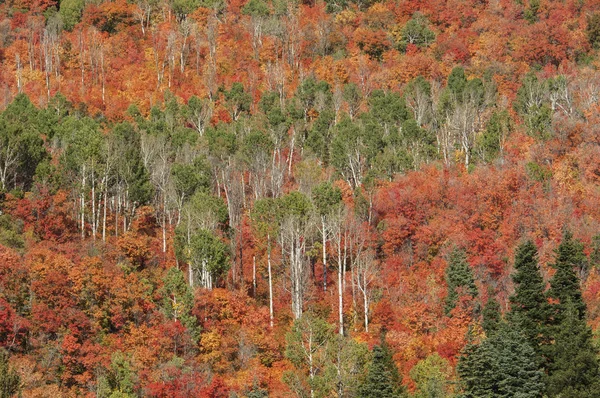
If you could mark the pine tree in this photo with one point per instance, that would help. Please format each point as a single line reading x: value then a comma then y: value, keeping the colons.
x: 383, y: 379
x: 574, y: 371
x: 458, y: 275
x: 564, y: 286
x: 518, y: 374
x: 573, y: 368
x: 491, y: 316
x: 503, y: 365
x: 528, y: 305
x: 472, y: 368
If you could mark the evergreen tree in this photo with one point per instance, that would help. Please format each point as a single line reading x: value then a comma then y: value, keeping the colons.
x: 503, y: 365
x: 383, y: 379
x: 572, y: 360
x: 517, y: 372
x: 458, y: 275
x: 491, y: 316
x: 528, y: 305
x: 9, y: 378
x: 573, y: 372
x: 564, y: 286
x: 471, y: 368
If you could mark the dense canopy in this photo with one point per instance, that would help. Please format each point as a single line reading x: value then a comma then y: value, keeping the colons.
x: 275, y: 198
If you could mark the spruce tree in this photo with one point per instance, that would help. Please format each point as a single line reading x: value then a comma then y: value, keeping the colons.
x: 528, y: 305
x: 573, y: 368
x: 573, y: 372
x: 503, y: 365
x: 564, y: 286
x: 383, y: 379
x: 473, y: 369
x: 518, y: 374
x: 458, y: 275
x: 491, y: 316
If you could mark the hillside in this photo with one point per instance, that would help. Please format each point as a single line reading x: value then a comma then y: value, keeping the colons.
x: 276, y: 198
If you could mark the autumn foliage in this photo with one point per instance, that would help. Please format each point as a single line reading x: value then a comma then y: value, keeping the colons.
x: 190, y: 189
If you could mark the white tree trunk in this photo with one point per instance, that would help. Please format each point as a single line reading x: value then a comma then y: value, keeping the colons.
x: 270, y: 285
x: 324, y: 236
x: 341, y: 300
x: 104, y: 215
x: 82, y: 202
x: 254, y: 276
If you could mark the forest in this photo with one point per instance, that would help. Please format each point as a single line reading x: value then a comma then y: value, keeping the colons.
x: 300, y: 198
